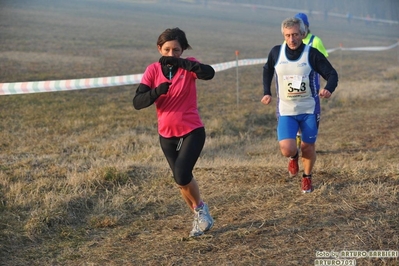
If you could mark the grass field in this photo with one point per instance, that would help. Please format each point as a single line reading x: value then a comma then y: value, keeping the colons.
x: 83, y: 180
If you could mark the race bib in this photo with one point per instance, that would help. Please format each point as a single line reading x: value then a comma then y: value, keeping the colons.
x: 295, y: 87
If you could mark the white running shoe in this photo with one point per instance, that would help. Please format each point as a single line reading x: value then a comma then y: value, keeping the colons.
x: 196, y: 231
x: 205, y: 220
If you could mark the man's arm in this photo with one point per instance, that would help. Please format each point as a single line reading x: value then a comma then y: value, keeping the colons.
x: 268, y: 70
x: 322, y: 66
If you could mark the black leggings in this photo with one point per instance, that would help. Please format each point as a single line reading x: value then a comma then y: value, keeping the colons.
x: 182, y: 153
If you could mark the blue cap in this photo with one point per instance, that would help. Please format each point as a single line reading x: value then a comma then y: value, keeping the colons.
x: 303, y: 17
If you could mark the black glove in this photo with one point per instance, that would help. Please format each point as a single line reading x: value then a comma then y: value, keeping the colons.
x: 162, y: 88
x: 169, y: 60
x: 180, y: 62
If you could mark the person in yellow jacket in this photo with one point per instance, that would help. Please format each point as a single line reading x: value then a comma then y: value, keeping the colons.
x: 310, y: 38
x: 317, y: 43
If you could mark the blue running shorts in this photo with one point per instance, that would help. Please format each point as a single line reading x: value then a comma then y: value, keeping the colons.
x: 288, y: 126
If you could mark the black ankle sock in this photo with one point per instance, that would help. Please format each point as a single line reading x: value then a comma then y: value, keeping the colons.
x: 295, y: 156
x: 307, y: 176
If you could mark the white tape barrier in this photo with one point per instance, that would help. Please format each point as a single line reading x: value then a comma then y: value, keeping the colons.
x: 66, y: 85
x: 371, y: 49
x: 242, y: 62
x: 89, y: 83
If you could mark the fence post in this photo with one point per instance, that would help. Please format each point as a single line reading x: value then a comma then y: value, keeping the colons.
x: 340, y: 59
x: 237, y: 85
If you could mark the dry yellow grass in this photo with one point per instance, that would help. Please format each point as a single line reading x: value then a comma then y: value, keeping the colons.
x: 84, y: 182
